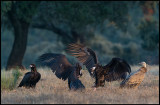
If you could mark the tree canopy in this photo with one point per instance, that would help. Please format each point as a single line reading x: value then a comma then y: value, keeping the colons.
x: 117, y: 24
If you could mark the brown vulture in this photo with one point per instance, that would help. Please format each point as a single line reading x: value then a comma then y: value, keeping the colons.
x: 63, y: 69
x: 30, y: 79
x: 116, y: 69
x: 135, y: 78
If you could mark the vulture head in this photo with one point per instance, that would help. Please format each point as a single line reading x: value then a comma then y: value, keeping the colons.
x: 143, y: 64
x: 33, y: 67
x: 94, y: 68
x: 78, y: 70
x: 97, y: 67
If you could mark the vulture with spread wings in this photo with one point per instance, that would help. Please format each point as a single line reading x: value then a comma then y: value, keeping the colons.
x: 116, y: 69
x: 63, y: 69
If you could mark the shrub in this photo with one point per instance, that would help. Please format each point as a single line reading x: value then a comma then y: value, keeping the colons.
x: 9, y: 79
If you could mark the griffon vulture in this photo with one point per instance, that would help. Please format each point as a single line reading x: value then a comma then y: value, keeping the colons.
x: 135, y: 78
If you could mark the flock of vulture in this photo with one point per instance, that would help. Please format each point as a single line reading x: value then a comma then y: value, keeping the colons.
x: 116, y: 69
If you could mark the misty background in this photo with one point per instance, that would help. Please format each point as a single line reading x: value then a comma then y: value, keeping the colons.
x: 125, y: 29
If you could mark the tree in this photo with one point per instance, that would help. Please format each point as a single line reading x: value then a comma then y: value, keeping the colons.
x: 149, y: 27
x: 20, y: 15
x: 70, y: 20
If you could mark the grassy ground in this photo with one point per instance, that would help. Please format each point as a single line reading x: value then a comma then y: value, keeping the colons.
x: 52, y: 90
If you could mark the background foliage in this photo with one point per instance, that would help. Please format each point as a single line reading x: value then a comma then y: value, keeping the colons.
x: 125, y: 29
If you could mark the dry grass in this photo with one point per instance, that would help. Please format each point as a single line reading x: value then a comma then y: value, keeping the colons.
x: 51, y: 90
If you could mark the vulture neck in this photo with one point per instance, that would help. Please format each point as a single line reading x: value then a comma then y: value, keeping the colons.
x: 33, y: 69
x: 144, y: 65
x: 143, y: 69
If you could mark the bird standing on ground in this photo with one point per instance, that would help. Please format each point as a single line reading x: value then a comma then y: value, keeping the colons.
x: 135, y: 78
x: 30, y: 79
x: 63, y: 69
x: 116, y: 69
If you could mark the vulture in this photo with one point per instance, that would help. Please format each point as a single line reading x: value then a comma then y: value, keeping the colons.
x: 30, y: 79
x: 63, y: 69
x: 135, y: 78
x: 116, y: 69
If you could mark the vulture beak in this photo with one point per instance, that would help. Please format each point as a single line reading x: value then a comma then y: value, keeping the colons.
x: 93, y: 68
x: 31, y: 66
x: 80, y: 73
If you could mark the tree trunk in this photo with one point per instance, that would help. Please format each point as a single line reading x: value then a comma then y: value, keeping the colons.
x: 20, y: 42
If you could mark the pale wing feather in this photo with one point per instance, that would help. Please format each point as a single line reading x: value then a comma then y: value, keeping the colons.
x: 84, y: 54
x: 134, y: 78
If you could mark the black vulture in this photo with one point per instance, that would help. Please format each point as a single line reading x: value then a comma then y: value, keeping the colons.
x: 63, y: 69
x: 135, y: 78
x: 116, y: 69
x: 30, y: 79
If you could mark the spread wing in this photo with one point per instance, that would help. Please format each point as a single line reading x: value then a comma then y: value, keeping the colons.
x: 85, y: 55
x: 116, y: 69
x: 58, y: 63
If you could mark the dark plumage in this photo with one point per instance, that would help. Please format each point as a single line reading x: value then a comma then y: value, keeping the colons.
x: 116, y: 69
x: 30, y: 79
x: 63, y: 69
